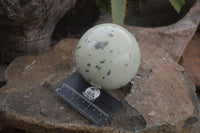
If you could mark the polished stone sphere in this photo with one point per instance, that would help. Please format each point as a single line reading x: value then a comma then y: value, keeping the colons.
x: 108, y: 56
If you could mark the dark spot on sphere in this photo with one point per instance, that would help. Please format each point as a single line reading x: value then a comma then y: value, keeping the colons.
x: 109, y: 72
x: 99, y: 68
x: 110, y: 35
x: 103, y: 61
x: 78, y: 47
x: 87, y: 71
x: 101, y: 45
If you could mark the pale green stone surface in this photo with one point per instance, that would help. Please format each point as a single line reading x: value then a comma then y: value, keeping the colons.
x: 108, y: 56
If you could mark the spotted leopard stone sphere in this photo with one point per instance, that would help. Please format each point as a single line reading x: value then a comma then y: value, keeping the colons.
x: 107, y: 56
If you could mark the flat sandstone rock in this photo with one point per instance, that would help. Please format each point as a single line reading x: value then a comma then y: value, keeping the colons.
x: 161, y: 98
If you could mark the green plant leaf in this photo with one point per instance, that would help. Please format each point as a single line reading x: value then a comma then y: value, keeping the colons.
x: 177, y: 4
x: 118, y: 11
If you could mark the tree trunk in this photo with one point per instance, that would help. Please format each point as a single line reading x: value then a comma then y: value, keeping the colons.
x: 26, y: 26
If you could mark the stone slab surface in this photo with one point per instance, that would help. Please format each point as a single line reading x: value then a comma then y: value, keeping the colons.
x: 161, y: 98
x: 161, y: 94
